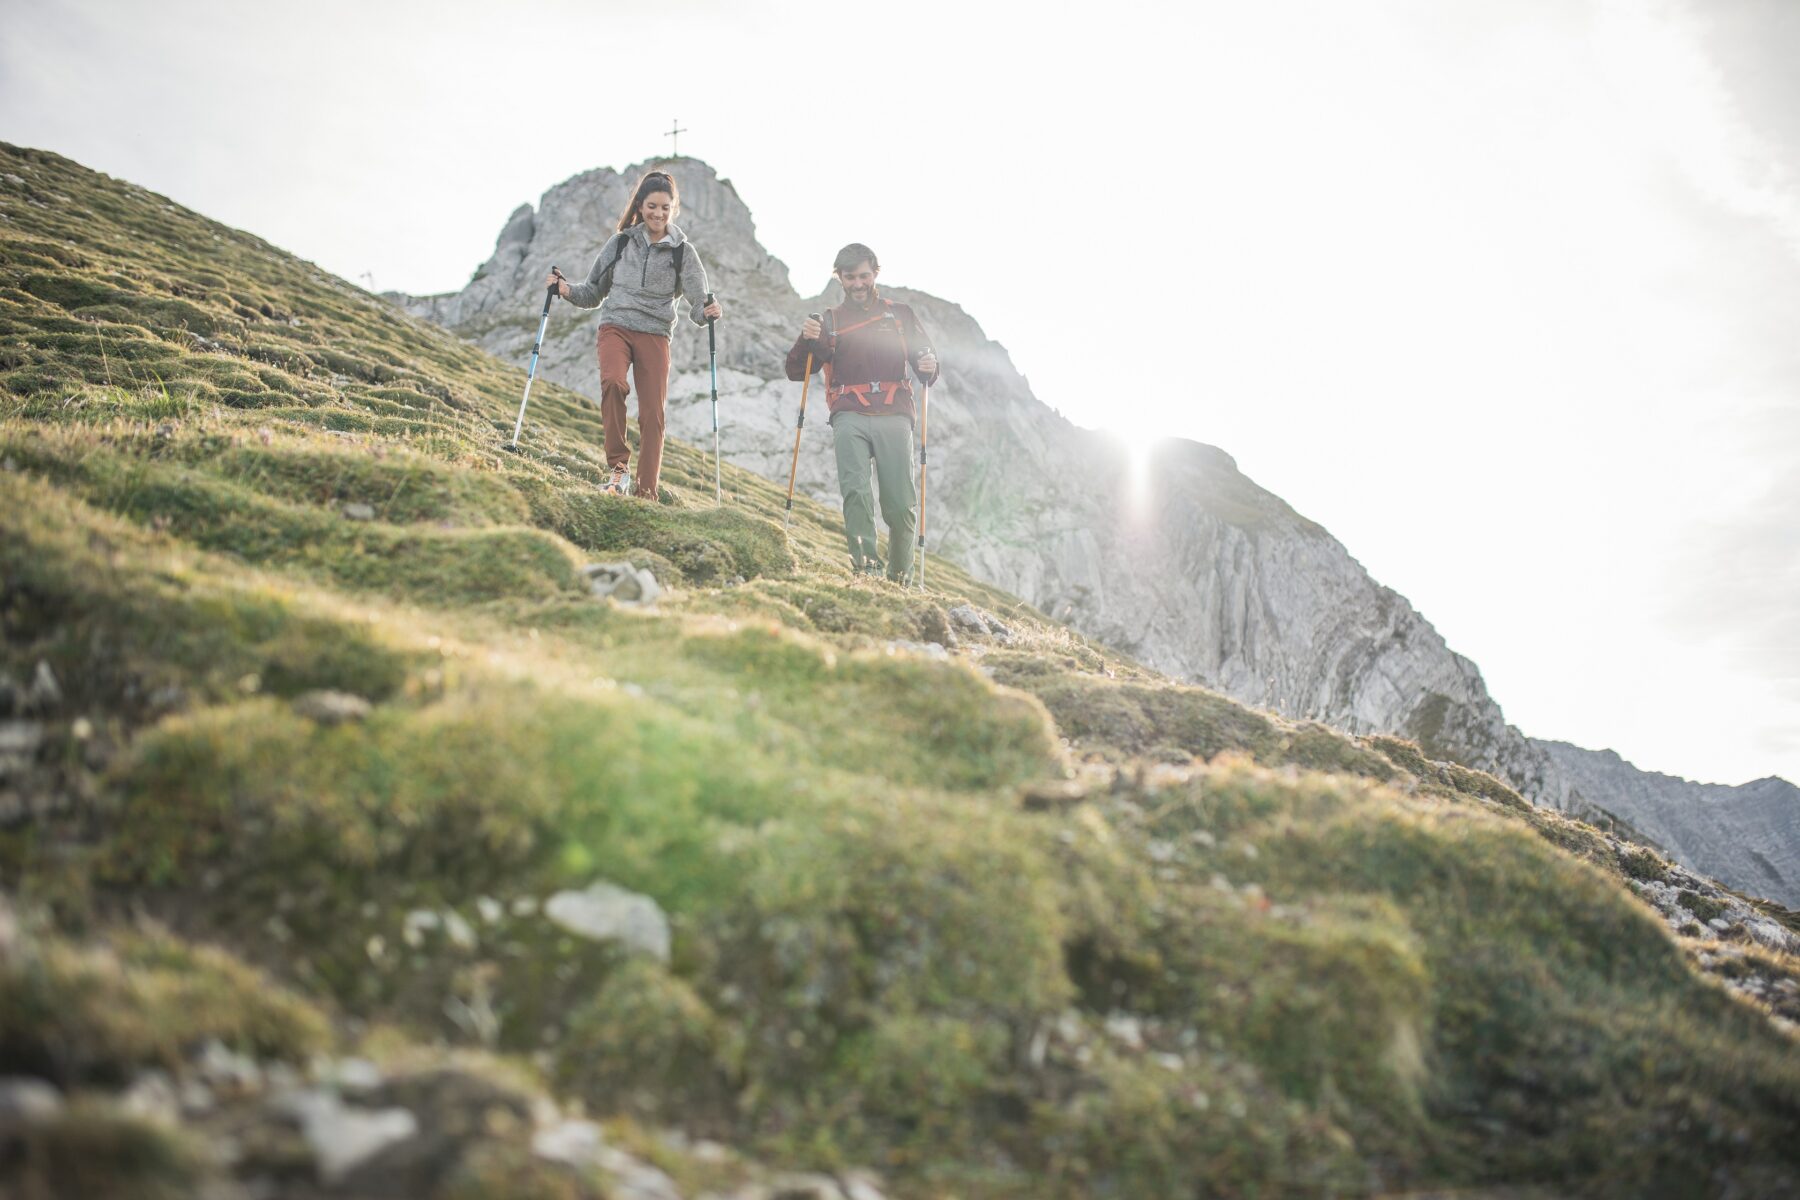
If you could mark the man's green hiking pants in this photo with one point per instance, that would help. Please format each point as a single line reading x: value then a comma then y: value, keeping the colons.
x: 888, y: 441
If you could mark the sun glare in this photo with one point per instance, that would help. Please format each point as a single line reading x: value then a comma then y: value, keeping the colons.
x: 1139, y: 446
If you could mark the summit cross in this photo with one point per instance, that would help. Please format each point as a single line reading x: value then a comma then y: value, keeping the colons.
x: 674, y: 136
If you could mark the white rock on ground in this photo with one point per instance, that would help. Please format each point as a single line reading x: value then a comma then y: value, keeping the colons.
x: 24, y: 1099
x: 623, y: 583
x: 343, y: 1138
x: 332, y: 708
x: 605, y: 913
x: 583, y: 1144
x: 348, y: 1074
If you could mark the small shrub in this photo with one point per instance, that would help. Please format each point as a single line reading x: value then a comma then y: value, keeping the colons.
x: 1642, y: 864
x: 1703, y: 907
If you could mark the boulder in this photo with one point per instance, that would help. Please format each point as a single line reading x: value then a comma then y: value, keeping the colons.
x: 622, y: 583
x: 602, y: 912
x: 332, y: 708
x: 25, y: 1100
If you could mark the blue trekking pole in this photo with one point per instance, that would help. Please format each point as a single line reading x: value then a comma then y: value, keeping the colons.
x: 537, y: 347
x: 712, y: 353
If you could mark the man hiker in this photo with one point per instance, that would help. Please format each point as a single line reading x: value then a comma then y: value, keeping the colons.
x: 864, y: 347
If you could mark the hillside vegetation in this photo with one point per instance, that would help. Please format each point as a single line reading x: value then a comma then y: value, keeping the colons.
x: 972, y: 904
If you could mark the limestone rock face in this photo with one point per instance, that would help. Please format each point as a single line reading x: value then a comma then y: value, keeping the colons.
x: 1186, y: 564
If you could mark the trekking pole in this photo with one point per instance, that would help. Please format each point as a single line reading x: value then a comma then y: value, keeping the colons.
x: 712, y: 352
x: 549, y: 295
x: 794, y: 467
x: 924, y: 427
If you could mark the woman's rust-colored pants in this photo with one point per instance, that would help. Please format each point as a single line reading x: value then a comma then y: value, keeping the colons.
x: 647, y: 355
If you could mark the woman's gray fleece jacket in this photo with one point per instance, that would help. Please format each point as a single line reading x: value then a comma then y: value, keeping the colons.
x: 637, y: 281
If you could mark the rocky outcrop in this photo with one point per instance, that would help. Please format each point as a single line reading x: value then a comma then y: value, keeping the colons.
x: 1746, y: 836
x: 1179, y: 559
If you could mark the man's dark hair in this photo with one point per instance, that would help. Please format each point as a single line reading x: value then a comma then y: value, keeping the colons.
x: 852, y: 254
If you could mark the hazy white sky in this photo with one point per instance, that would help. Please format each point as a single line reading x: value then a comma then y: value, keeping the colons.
x: 1505, y: 295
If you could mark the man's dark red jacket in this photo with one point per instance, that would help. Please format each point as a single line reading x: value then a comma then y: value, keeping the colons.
x: 872, y: 345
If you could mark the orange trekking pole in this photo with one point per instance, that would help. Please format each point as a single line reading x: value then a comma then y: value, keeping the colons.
x: 794, y: 467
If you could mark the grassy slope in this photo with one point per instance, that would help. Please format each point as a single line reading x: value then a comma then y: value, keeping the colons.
x: 995, y: 925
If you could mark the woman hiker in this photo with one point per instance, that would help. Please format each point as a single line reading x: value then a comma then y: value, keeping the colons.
x: 635, y: 279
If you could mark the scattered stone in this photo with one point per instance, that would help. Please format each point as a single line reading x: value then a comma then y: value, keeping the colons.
x: 603, y: 912
x: 1125, y: 1029
x: 417, y: 922
x: 24, y: 1100
x: 195, y: 1098
x: 227, y: 1071
x: 45, y: 693
x: 624, y: 583
x: 980, y: 623
x: 332, y: 708
x: 933, y: 626
x: 634, y: 1180
x: 577, y: 1143
x: 927, y: 649
x: 805, y: 1187
x: 19, y: 742
x: 152, y: 1096
x: 167, y: 699
x: 281, y: 1077
x: 491, y: 910
x: 1770, y: 934
x: 458, y: 930
x: 475, y: 1015
x: 582, y: 1144
x: 9, y: 464
x: 342, y: 1138
x: 862, y: 1185
x: 356, y: 511
x: 1052, y: 795
x: 348, y: 1075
